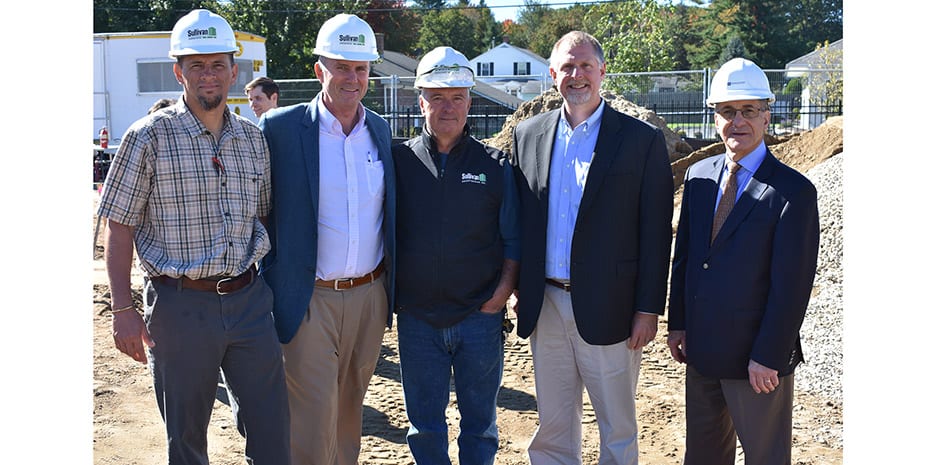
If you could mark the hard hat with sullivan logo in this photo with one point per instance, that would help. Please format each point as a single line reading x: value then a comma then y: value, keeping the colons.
x: 444, y: 67
x: 346, y: 37
x: 202, y: 32
x: 739, y: 79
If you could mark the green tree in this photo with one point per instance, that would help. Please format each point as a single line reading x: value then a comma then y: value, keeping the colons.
x: 734, y: 49
x: 471, y: 30
x: 143, y: 15
x: 773, y: 32
x: 399, y: 24
x: 541, y: 26
x: 634, y: 37
x: 290, y: 29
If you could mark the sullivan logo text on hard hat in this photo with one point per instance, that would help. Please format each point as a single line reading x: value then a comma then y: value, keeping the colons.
x: 355, y: 40
x: 207, y: 33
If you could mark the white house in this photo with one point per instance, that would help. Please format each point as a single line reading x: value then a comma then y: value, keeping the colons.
x: 513, y: 70
x: 820, y: 71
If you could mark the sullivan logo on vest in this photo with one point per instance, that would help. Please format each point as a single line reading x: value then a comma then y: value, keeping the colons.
x: 474, y: 178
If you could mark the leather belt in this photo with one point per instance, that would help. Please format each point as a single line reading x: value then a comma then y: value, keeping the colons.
x: 565, y: 286
x: 221, y: 285
x: 349, y: 283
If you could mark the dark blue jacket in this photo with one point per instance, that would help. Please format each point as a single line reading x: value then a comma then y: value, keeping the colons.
x: 744, y: 296
x: 290, y: 268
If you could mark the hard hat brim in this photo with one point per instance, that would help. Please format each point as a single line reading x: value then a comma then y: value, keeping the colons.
x: 206, y: 50
x: 711, y: 102
x: 349, y: 56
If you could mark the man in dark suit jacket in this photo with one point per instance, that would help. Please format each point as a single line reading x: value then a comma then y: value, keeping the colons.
x: 741, y: 279
x: 596, y: 208
x: 332, y: 228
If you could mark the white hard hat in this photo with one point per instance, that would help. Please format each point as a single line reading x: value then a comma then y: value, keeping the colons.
x: 739, y: 79
x: 202, y: 32
x: 346, y: 37
x: 444, y: 67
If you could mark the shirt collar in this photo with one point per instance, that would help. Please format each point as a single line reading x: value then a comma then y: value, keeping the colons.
x: 196, y: 127
x: 588, y: 123
x: 327, y: 120
x: 752, y: 160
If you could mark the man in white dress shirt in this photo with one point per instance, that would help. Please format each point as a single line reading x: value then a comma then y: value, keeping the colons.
x: 332, y: 226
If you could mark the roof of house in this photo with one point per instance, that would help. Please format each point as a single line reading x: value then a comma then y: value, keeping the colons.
x: 526, y: 52
x: 399, y: 64
x: 814, y: 59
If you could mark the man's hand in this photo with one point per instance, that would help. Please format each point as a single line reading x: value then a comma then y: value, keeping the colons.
x: 496, y: 303
x: 676, y: 342
x: 644, y: 330
x: 130, y: 334
x: 763, y: 379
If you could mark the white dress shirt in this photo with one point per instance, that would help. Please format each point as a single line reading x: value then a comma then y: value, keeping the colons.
x: 352, y: 190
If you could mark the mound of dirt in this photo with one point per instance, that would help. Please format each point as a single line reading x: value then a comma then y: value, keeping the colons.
x: 551, y: 99
x: 801, y: 151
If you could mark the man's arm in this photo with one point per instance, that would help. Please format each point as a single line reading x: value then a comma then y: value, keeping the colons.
x: 130, y: 333
x: 507, y: 283
x: 509, y: 232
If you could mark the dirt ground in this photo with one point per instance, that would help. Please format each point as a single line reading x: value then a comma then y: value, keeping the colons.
x: 128, y: 429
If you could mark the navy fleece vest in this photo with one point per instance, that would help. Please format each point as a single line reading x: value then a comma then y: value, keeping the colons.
x: 449, y: 249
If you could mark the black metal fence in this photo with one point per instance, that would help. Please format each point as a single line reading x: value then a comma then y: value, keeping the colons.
x: 399, y: 106
x: 804, y: 99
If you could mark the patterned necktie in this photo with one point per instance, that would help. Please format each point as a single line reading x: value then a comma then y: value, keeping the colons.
x: 727, y: 198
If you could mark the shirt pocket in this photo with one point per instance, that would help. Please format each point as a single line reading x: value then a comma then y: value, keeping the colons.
x: 375, y: 177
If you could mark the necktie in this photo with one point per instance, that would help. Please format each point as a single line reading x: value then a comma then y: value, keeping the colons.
x: 727, y: 198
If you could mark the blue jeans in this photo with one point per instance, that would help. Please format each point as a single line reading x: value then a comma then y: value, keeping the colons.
x: 473, y: 348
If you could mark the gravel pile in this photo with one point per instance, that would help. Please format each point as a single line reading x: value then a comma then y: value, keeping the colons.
x: 821, y: 333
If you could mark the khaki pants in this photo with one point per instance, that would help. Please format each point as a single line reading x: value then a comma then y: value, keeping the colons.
x: 329, y: 363
x: 564, y: 366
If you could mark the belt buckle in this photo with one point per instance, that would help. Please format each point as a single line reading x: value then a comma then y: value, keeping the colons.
x: 218, y: 285
x: 336, y: 283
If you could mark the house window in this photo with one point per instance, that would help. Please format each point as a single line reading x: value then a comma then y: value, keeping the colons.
x: 485, y: 69
x: 157, y: 76
x: 521, y: 68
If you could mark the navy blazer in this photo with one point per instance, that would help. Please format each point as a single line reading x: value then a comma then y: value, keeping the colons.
x: 290, y: 267
x: 620, y: 245
x: 744, y: 296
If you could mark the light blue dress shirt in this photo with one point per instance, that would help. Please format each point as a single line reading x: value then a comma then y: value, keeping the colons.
x: 572, y: 154
x: 749, y: 165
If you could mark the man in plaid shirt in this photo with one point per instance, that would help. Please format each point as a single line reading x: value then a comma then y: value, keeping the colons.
x: 190, y: 188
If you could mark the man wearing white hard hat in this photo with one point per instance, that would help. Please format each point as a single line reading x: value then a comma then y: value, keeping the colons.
x: 190, y: 189
x: 458, y: 259
x: 742, y: 273
x: 596, y: 195
x: 333, y: 249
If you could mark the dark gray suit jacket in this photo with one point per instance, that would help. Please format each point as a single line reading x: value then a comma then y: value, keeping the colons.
x: 620, y: 246
x: 744, y: 296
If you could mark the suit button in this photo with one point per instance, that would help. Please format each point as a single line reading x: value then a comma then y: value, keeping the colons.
x: 705, y: 266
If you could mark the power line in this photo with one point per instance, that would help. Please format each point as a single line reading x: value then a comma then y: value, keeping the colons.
x: 377, y: 10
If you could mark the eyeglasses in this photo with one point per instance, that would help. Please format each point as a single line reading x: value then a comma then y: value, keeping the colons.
x: 729, y: 113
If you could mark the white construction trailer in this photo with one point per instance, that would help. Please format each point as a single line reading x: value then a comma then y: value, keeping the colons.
x: 132, y: 71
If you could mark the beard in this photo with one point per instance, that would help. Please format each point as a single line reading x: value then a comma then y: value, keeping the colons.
x: 210, y: 103
x: 578, y: 96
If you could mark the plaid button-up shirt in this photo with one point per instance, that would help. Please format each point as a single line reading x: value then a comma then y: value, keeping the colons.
x: 194, y: 203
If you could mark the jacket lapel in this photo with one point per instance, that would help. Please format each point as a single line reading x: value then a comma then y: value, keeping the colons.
x: 544, y: 142
x: 609, y: 139
x: 753, y: 191
x: 309, y: 147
